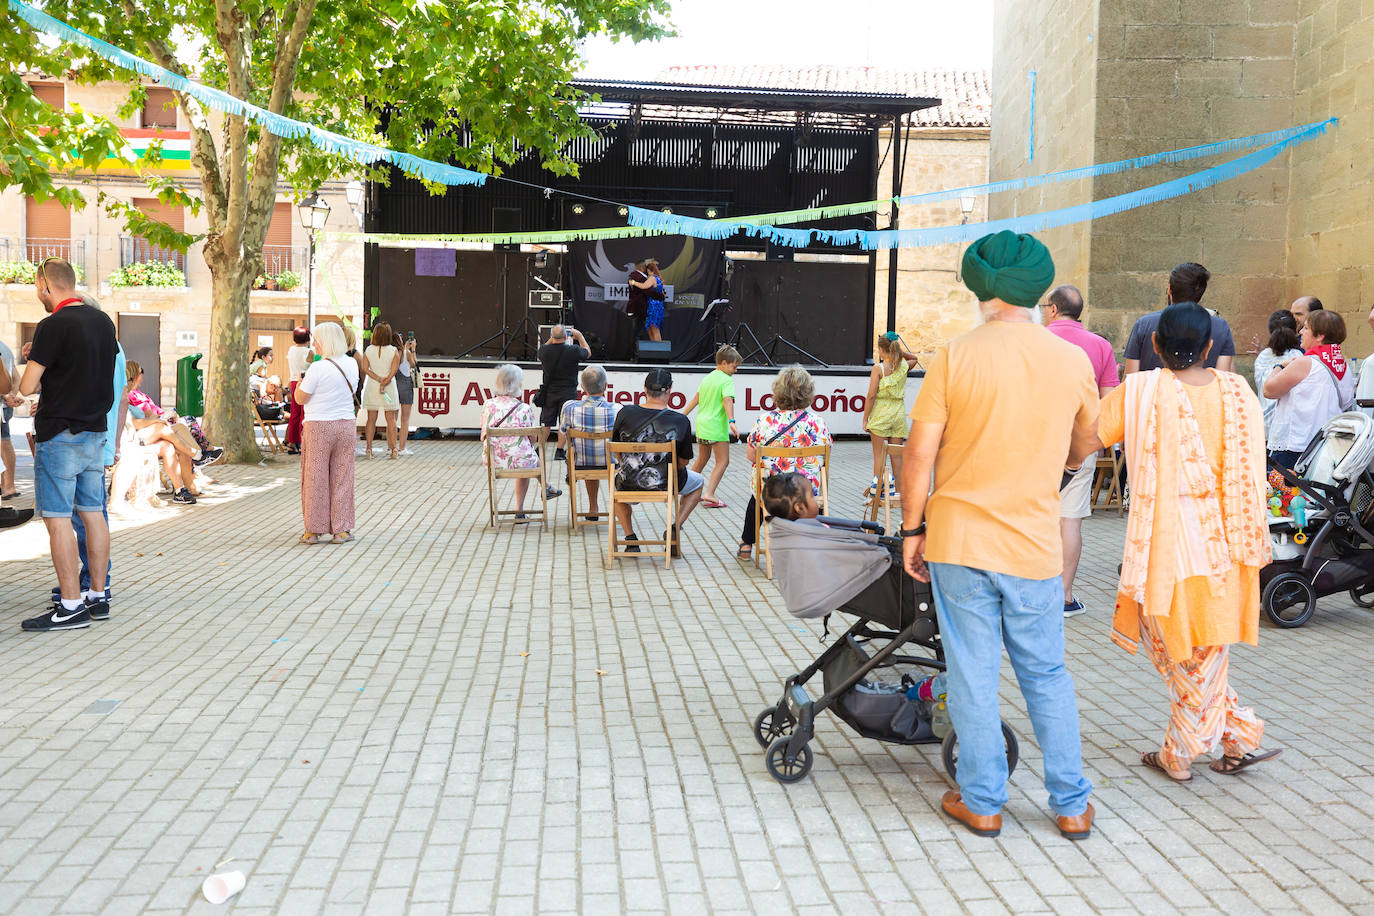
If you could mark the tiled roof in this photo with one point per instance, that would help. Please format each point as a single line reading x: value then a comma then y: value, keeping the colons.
x: 966, y: 94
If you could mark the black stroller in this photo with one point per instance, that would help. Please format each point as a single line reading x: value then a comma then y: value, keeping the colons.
x: 847, y: 566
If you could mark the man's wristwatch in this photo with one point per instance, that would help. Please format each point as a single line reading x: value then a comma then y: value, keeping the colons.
x: 905, y: 533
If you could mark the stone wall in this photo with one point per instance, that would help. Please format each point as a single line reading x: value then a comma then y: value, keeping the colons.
x: 1054, y: 38
x: 1330, y: 221
x: 932, y: 304
x: 1175, y: 73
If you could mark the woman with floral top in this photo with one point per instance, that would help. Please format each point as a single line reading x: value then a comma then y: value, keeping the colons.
x: 507, y: 410
x: 790, y: 425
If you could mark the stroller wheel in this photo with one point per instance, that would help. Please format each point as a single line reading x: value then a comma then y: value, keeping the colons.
x: 950, y: 751
x: 778, y: 765
x: 768, y: 725
x: 1363, y: 595
x: 1289, y: 600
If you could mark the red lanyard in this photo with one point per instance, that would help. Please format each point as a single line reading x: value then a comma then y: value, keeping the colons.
x: 64, y: 303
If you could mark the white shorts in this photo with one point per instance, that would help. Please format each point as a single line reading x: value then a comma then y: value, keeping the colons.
x: 1075, y: 500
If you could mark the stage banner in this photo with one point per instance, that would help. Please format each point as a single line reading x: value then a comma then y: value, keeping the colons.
x: 451, y: 397
x: 690, y: 268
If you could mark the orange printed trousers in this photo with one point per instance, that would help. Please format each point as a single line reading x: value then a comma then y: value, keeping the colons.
x: 1205, y: 711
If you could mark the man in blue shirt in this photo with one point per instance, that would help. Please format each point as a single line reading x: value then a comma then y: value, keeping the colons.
x: 1187, y: 283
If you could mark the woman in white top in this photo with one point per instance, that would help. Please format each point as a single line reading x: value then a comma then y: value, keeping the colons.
x: 1310, y: 389
x: 1283, y: 346
x: 326, y: 394
x: 380, y: 362
x: 298, y: 359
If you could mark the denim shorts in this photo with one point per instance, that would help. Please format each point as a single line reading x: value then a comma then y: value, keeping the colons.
x: 5, y: 416
x: 691, y: 483
x: 69, y: 474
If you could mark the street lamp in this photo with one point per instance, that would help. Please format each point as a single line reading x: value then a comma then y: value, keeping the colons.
x: 314, y: 214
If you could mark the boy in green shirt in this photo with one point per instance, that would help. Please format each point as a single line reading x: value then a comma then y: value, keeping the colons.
x: 716, y: 422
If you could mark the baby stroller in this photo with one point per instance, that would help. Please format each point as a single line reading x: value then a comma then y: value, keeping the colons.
x: 1329, y: 547
x: 839, y: 565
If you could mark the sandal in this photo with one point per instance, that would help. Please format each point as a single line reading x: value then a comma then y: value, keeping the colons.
x: 745, y: 552
x: 309, y: 538
x: 1151, y: 760
x: 1230, y: 766
x: 342, y: 538
x: 713, y: 503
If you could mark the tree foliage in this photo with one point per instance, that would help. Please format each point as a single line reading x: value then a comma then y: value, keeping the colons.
x: 476, y: 82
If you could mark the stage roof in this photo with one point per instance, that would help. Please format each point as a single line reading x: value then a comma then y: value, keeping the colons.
x: 671, y: 100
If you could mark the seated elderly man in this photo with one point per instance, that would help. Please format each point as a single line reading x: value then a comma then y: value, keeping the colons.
x: 655, y: 422
x: 592, y: 414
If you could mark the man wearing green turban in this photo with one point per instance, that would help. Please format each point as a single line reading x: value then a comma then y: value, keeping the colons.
x: 1003, y: 411
x: 1014, y: 268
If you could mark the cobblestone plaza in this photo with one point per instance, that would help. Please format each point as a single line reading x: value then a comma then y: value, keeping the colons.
x: 442, y: 717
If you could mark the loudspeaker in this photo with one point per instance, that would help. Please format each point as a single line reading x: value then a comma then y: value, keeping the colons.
x: 778, y: 253
x: 653, y: 351
x: 505, y: 219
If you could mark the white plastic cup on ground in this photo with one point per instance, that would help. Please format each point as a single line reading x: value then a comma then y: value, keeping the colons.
x: 219, y: 888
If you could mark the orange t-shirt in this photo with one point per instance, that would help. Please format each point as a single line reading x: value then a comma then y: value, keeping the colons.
x: 1010, y: 396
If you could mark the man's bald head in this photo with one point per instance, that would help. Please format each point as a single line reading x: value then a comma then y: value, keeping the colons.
x: 1067, y: 301
x: 1304, y: 306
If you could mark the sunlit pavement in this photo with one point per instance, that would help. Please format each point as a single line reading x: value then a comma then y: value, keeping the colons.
x: 441, y: 717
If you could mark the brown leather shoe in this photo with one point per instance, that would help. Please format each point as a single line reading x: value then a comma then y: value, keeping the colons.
x: 979, y: 824
x: 1077, y: 828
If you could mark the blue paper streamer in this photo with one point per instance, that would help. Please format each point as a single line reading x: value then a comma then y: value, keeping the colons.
x: 280, y: 125
x: 1031, y: 140
x: 884, y: 239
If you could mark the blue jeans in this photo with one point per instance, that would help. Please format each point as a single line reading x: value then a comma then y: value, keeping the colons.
x: 69, y: 474
x: 978, y: 611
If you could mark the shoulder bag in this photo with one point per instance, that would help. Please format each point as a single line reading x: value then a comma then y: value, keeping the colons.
x: 344, y: 375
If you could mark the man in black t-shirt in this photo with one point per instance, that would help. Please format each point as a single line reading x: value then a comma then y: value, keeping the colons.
x: 561, y: 359
x: 654, y: 421
x: 73, y: 356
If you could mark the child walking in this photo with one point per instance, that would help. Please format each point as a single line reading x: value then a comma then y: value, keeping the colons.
x: 885, y: 408
x: 716, y: 421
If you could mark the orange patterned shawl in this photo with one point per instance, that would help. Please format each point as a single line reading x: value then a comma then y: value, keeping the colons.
x: 1181, y: 526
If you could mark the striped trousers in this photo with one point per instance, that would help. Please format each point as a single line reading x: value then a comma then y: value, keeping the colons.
x: 1204, y: 711
x: 327, y: 476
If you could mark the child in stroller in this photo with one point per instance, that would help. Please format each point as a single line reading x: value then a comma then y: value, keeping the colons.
x: 826, y: 565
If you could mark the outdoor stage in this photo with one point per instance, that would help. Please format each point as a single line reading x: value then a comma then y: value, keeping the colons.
x: 452, y: 391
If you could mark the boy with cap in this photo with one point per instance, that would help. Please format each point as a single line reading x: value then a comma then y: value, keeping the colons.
x: 1002, y: 413
x: 654, y: 421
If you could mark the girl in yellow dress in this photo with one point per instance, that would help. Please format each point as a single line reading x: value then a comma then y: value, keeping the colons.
x: 885, y: 408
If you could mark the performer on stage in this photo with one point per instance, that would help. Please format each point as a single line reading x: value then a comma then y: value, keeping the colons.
x: 640, y: 283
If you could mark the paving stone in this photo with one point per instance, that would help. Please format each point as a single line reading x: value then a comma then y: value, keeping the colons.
x: 611, y: 768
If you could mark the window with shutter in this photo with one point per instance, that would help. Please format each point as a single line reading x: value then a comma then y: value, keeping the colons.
x: 277, y: 253
x: 47, y: 230
x: 55, y: 94
x: 159, y: 109
x: 140, y: 250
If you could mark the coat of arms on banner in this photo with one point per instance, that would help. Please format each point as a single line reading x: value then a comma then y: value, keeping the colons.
x: 433, y: 394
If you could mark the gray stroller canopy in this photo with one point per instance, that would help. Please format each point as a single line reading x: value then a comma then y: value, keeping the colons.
x: 820, y: 568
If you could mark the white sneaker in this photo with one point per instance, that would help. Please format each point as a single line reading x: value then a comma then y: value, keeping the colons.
x: 405, y: 451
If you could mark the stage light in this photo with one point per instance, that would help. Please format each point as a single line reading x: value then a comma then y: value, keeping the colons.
x: 712, y: 213
x: 578, y: 209
x: 623, y: 211
x: 668, y: 210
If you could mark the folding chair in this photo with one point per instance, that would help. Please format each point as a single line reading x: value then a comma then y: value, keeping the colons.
x: 576, y: 518
x: 1108, y: 478
x: 881, y: 498
x: 540, y: 436
x: 266, y: 427
x: 797, y: 454
x: 667, y: 496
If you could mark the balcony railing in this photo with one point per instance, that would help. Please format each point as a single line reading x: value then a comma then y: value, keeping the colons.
x: 141, y: 251
x: 279, y: 258
x: 37, y: 249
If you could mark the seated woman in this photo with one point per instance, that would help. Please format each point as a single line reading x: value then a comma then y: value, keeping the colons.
x: 267, y: 387
x: 506, y: 409
x: 149, y: 410
x: 791, y: 425
x: 153, y: 431
x: 134, y: 481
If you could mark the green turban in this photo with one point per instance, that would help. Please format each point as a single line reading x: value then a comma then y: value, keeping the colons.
x: 1014, y: 268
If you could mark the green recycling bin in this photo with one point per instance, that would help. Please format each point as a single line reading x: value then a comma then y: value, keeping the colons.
x: 190, y: 387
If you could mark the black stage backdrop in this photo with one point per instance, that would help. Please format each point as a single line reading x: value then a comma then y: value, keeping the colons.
x: 600, y: 273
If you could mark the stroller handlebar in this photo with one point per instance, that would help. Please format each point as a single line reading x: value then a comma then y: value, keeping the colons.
x: 852, y: 524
